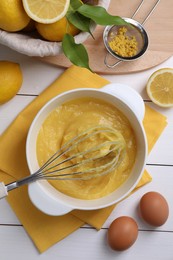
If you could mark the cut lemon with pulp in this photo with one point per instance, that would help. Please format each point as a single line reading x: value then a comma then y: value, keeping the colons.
x: 160, y: 87
x: 46, y: 11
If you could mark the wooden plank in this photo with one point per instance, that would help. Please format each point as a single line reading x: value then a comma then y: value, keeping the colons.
x: 10, y: 110
x: 163, y: 149
x: 85, y: 244
x: 162, y: 183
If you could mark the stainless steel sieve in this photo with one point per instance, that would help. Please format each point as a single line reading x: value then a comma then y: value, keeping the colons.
x: 134, y: 29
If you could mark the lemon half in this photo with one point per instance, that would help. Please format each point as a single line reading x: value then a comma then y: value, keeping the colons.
x: 10, y: 80
x: 46, y: 11
x: 160, y: 87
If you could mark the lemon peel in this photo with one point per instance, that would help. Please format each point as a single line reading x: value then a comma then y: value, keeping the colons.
x: 57, y: 30
x: 10, y: 80
x: 13, y: 17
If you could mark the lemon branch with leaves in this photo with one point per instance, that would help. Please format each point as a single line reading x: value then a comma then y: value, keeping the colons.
x: 82, y: 16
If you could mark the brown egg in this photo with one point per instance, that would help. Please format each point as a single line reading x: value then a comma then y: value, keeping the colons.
x: 122, y: 233
x: 154, y: 208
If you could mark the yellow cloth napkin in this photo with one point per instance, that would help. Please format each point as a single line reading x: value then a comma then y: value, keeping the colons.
x: 43, y: 229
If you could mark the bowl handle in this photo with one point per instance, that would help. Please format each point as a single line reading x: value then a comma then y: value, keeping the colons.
x: 46, y: 203
x: 129, y: 96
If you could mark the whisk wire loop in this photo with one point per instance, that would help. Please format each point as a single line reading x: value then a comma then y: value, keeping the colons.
x: 104, y: 151
x: 73, y: 143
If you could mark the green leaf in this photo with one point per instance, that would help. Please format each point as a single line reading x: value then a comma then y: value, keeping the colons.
x: 99, y: 15
x: 76, y: 53
x: 79, y: 21
x: 74, y: 5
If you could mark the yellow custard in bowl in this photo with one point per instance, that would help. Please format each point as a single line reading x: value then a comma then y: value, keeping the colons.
x: 70, y: 119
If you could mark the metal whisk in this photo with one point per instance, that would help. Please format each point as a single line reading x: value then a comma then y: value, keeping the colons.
x: 94, y: 152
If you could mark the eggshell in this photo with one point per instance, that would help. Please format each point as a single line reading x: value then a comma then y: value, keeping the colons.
x: 122, y: 233
x: 154, y: 208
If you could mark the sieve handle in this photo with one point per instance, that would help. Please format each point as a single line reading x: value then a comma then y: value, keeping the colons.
x: 3, y: 190
x: 129, y: 96
x: 111, y: 65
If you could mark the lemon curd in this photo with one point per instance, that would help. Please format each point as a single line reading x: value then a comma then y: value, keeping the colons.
x: 72, y: 118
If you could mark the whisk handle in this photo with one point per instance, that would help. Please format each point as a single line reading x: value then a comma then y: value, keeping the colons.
x: 3, y: 190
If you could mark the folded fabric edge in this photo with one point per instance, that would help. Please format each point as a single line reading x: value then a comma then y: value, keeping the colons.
x: 42, y: 250
x: 162, y: 128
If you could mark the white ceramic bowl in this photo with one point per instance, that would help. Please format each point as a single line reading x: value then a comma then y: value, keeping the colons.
x: 44, y: 196
x: 29, y: 45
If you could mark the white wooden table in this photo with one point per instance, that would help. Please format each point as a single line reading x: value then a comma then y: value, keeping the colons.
x: 87, y: 243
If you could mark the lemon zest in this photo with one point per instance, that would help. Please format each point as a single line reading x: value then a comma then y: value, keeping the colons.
x: 122, y: 44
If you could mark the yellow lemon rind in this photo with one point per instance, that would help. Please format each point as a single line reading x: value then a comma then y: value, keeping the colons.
x: 13, y: 17
x: 56, y: 31
x: 11, y: 79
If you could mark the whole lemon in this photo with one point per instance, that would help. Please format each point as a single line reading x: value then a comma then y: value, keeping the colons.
x: 12, y: 15
x: 10, y: 80
x: 56, y: 31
